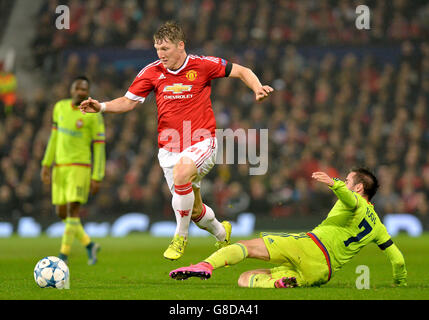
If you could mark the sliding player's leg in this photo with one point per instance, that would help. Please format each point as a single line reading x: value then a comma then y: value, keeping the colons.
x: 279, y: 277
x: 284, y: 249
x: 229, y: 255
x: 301, y: 261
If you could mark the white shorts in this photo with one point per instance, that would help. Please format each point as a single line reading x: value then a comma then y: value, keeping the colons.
x: 202, y: 153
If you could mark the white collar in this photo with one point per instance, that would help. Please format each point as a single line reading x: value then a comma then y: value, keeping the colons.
x: 181, y: 68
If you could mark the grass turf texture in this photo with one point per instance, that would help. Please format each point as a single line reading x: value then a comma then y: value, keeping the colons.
x: 133, y: 268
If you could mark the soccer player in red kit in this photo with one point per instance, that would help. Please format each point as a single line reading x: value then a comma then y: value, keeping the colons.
x: 186, y: 125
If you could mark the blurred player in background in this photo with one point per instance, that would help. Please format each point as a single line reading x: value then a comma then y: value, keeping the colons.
x: 8, y: 86
x: 309, y: 259
x: 72, y: 137
x: 186, y: 125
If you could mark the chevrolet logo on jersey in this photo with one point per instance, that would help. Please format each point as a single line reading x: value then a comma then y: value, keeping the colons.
x: 178, y: 88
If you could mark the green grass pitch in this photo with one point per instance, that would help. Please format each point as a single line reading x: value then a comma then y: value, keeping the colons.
x: 133, y: 268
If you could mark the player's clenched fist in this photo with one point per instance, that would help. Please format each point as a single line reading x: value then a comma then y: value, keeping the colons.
x: 90, y: 106
x: 263, y: 92
x: 323, y: 177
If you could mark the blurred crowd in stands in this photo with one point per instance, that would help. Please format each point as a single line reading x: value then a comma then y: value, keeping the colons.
x: 328, y: 114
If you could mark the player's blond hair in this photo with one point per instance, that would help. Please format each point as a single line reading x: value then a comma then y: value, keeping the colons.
x: 170, y: 31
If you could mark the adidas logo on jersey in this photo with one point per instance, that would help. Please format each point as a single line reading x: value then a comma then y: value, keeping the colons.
x: 161, y: 76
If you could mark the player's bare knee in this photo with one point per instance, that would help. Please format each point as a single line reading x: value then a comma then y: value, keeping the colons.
x: 243, y: 280
x: 184, y: 171
x: 249, y: 247
x: 181, y: 175
x: 256, y: 249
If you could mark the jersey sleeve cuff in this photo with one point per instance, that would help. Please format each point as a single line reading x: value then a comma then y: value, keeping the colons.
x: 386, y: 244
x: 337, y: 183
x: 228, y: 69
x: 134, y: 97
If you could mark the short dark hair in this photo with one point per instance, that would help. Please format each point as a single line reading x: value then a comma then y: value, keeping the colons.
x: 368, y: 180
x: 170, y: 30
x: 81, y: 78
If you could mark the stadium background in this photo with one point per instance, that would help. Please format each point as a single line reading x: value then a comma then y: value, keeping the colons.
x: 343, y: 97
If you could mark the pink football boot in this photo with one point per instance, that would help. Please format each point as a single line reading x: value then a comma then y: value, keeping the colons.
x: 286, y: 282
x: 202, y: 270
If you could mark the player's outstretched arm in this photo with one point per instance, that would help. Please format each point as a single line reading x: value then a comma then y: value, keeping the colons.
x: 251, y: 80
x: 398, y: 265
x: 119, y: 105
x: 340, y: 189
x: 323, y: 177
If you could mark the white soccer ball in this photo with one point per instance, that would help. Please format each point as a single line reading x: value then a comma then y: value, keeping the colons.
x: 51, y: 272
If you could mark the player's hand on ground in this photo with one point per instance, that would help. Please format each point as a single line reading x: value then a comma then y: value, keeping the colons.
x: 323, y: 177
x: 95, y: 186
x: 263, y: 92
x: 45, y: 175
x: 400, y: 283
x: 90, y: 106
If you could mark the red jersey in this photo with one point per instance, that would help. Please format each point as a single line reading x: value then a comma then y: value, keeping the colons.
x: 185, y: 114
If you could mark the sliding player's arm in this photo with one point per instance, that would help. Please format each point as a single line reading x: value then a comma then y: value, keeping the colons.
x: 398, y: 262
x: 344, y: 194
x: 385, y: 243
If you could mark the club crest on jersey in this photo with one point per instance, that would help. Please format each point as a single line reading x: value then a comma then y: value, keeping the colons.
x: 177, y: 88
x: 191, y: 75
x: 79, y: 123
